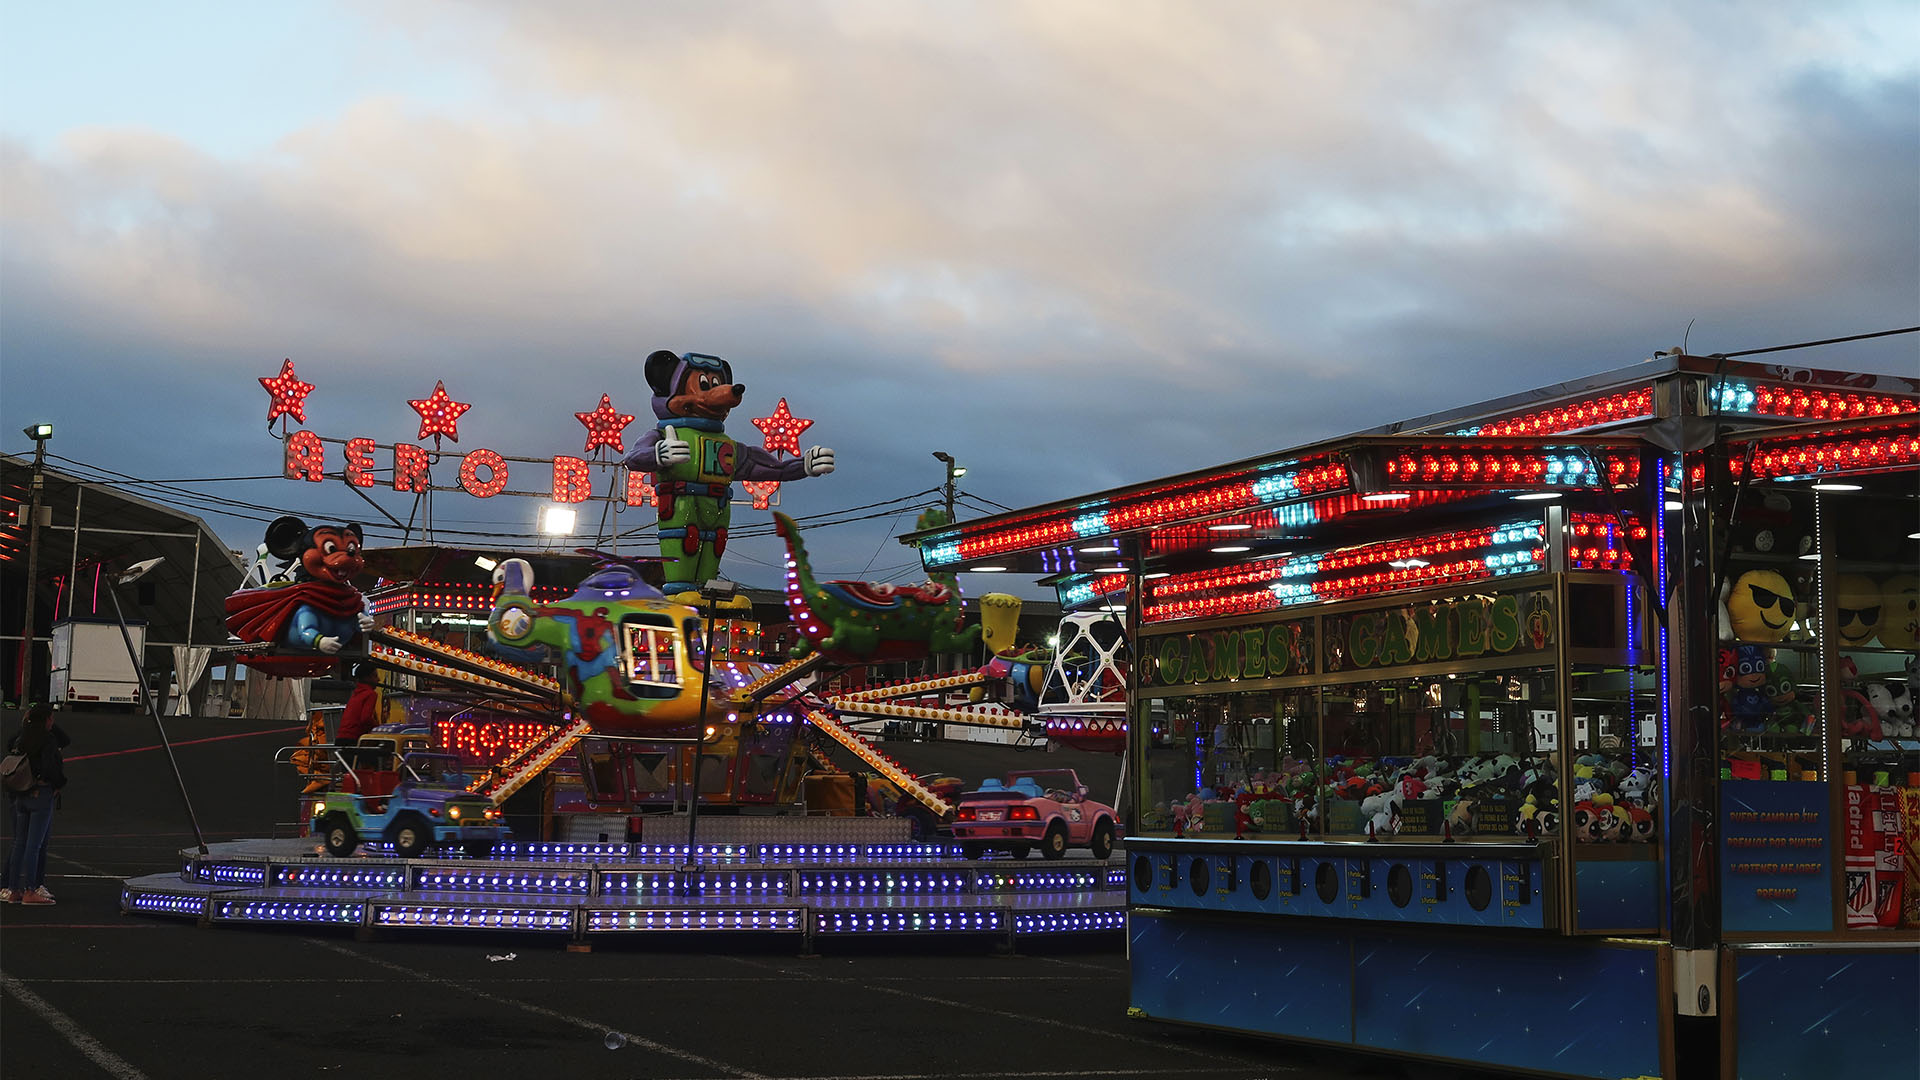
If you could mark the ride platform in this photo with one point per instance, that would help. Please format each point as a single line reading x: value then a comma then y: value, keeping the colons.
x: 811, y: 890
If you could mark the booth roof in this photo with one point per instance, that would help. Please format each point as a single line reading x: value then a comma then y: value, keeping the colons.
x: 116, y: 530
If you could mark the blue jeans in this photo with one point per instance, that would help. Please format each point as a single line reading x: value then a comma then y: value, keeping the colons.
x: 32, y: 820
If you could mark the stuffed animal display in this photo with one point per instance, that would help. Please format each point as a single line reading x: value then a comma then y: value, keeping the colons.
x: 695, y: 462
x: 1435, y: 796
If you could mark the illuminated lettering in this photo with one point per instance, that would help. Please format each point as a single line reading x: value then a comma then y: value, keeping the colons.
x: 409, y: 468
x: 306, y: 456
x: 360, y: 462
x: 571, y: 482
x: 496, y: 467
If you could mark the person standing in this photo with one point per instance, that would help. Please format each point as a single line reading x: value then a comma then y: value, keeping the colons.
x: 41, y: 740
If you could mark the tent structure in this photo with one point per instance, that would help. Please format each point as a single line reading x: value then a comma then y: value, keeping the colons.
x: 89, y: 530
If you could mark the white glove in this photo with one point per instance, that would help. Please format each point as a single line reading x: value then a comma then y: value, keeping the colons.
x: 328, y: 645
x: 818, y: 460
x: 671, y: 449
x: 366, y: 623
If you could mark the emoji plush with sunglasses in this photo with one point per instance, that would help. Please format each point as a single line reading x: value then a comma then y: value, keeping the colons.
x: 1760, y: 606
x: 1856, y: 609
x: 1900, y: 611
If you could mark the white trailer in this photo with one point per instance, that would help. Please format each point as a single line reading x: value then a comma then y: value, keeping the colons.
x: 91, y: 665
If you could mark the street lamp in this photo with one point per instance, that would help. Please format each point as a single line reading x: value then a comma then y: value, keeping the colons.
x: 715, y: 591
x: 39, y: 433
x: 127, y: 577
x: 954, y: 472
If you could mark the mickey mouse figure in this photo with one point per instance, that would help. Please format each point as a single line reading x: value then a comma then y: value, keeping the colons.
x: 694, y: 463
x: 312, y: 603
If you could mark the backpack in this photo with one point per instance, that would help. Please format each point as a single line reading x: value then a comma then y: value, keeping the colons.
x: 16, y: 773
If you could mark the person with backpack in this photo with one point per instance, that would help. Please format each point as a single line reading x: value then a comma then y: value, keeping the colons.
x: 33, y: 800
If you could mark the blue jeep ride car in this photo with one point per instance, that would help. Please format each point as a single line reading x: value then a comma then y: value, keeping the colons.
x: 422, y: 803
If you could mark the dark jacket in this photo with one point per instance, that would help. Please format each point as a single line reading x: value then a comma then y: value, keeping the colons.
x: 48, y: 768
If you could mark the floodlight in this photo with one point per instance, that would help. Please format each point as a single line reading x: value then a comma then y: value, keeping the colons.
x: 484, y: 563
x: 39, y: 432
x: 135, y: 572
x: 557, y: 520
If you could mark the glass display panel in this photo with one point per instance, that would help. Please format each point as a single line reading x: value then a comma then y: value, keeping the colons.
x: 1614, y: 757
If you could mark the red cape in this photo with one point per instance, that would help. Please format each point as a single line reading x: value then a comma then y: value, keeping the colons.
x: 262, y: 614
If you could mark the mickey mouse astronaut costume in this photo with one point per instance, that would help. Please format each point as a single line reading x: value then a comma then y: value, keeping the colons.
x: 694, y: 463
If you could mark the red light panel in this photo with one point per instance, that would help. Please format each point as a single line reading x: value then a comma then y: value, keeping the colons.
x: 1818, y: 403
x: 1613, y: 409
x: 762, y: 492
x: 1872, y: 452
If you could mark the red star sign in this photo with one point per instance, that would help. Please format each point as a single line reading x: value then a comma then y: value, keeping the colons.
x: 289, y: 394
x: 782, y: 429
x: 604, y: 425
x: 439, y: 414
x: 762, y: 492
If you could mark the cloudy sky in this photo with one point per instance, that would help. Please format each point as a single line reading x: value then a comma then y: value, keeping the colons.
x: 1075, y: 243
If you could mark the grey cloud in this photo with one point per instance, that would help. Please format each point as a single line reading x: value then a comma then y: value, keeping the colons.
x: 1075, y: 244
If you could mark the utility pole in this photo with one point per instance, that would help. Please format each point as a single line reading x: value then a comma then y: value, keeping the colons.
x: 39, y: 433
x: 954, y: 472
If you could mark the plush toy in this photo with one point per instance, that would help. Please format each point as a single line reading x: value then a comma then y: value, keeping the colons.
x: 1857, y: 609
x: 1460, y: 819
x: 1894, y: 705
x: 1900, y: 611
x: 1749, y: 703
x: 694, y: 464
x: 1788, y: 714
x: 1637, y: 785
x: 1640, y: 826
x: 1858, y: 718
x: 1584, y: 813
x: 1759, y: 606
x: 312, y: 604
x: 1773, y: 526
x: 1604, y: 826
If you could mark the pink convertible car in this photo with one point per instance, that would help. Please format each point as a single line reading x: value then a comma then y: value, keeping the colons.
x: 1047, y: 807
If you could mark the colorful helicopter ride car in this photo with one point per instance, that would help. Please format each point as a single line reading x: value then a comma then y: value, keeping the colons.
x: 419, y: 802
x: 1044, y: 807
x: 630, y: 660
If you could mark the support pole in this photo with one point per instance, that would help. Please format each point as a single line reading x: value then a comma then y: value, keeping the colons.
x: 153, y: 710
x: 24, y: 676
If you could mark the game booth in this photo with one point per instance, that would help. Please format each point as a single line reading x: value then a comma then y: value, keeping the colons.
x: 1570, y: 732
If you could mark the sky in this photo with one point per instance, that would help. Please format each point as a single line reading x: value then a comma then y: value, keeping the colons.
x: 1074, y: 243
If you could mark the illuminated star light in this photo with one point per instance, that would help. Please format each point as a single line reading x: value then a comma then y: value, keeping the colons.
x: 289, y: 394
x: 782, y: 429
x: 439, y: 414
x: 762, y: 492
x: 604, y: 425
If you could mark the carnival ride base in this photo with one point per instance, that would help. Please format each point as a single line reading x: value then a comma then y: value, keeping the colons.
x: 810, y: 890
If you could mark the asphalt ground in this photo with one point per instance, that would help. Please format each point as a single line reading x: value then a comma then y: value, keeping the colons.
x: 90, y: 992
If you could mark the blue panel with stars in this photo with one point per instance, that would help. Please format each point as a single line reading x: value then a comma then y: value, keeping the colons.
x: 1804, y: 1013
x: 1271, y: 977
x: 1572, y: 1007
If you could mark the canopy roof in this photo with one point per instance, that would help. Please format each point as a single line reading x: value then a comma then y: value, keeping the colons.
x: 182, y: 600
